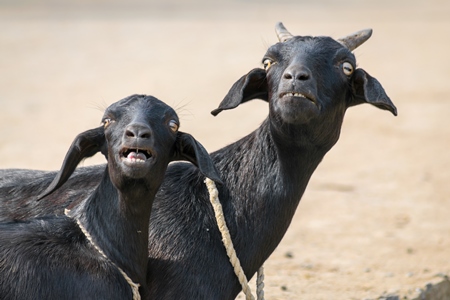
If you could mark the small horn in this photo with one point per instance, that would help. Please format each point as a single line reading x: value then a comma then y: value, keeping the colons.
x: 354, y: 40
x: 282, y: 33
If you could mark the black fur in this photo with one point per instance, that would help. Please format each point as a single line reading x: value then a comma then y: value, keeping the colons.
x: 50, y: 257
x: 265, y: 173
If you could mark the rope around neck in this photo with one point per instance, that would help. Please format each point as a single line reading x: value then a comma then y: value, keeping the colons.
x: 228, y: 243
x: 134, y: 286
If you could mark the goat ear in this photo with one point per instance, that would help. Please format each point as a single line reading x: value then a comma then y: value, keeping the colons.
x: 367, y: 89
x: 189, y: 149
x: 250, y: 86
x: 85, y: 145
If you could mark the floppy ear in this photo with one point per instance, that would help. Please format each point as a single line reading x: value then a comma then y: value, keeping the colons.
x: 189, y: 149
x: 85, y: 145
x: 367, y: 89
x: 248, y: 87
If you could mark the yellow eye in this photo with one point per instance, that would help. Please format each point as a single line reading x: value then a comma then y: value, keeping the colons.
x: 173, y: 125
x: 347, y: 68
x: 267, y: 63
x: 106, y: 122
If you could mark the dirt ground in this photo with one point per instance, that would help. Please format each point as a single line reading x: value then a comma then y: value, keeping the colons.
x: 375, y: 219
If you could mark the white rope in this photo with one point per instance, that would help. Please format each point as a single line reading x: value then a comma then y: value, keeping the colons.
x: 260, y: 284
x: 134, y: 286
x: 228, y: 243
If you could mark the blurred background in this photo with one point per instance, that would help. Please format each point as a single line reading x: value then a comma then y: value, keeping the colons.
x: 375, y: 217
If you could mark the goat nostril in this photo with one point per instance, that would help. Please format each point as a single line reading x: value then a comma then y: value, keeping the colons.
x: 137, y: 134
x: 145, y: 135
x: 129, y: 133
x: 139, y: 131
x: 287, y: 76
x: 303, y: 76
x: 297, y: 76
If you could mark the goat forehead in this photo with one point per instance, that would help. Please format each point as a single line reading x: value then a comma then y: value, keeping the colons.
x: 301, y: 46
x: 141, y: 106
x: 141, y: 102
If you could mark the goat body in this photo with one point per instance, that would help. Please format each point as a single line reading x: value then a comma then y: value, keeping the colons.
x: 308, y: 82
x: 51, y: 258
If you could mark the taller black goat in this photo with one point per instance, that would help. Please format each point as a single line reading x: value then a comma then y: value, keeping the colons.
x: 101, y: 244
x: 309, y: 83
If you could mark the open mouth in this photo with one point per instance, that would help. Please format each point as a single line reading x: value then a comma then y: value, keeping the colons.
x: 135, y: 155
x: 297, y: 95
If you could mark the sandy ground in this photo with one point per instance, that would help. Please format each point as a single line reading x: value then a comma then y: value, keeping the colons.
x: 375, y: 218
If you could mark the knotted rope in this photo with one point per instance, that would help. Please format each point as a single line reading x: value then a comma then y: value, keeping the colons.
x: 228, y: 243
x: 134, y: 286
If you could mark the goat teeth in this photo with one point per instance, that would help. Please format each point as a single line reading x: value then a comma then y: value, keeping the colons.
x: 293, y: 94
x: 135, y: 160
x: 136, y: 156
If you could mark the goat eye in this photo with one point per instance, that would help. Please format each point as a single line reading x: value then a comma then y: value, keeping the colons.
x: 267, y: 63
x: 347, y: 68
x: 173, y: 125
x: 106, y: 122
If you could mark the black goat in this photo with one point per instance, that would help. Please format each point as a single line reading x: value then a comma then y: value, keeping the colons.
x: 99, y: 249
x: 309, y: 83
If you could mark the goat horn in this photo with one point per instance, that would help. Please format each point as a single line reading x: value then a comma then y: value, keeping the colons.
x: 282, y: 33
x: 354, y: 40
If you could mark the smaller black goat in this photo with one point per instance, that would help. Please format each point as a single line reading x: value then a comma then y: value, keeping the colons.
x: 99, y: 249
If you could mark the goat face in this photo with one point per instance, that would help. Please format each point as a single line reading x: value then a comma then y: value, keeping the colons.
x: 309, y: 81
x: 139, y: 137
x: 140, y: 134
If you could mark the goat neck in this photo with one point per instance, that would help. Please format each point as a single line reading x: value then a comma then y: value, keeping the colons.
x: 279, y: 175
x: 106, y: 216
